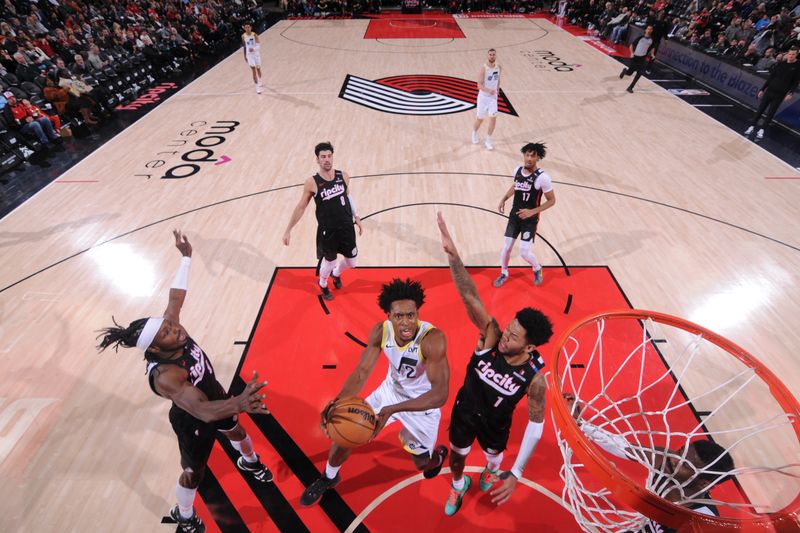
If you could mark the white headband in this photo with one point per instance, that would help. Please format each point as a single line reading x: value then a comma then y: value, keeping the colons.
x: 149, y: 331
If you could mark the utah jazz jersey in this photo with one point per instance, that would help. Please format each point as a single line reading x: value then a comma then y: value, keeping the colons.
x: 250, y: 45
x: 406, y: 364
x: 492, y: 387
x: 333, y: 206
x: 491, y: 76
x: 526, y: 195
x: 195, y: 361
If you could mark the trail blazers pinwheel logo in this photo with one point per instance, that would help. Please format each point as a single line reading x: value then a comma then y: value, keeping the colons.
x: 417, y: 95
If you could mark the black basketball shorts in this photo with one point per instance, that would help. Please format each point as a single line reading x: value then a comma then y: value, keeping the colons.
x: 467, y: 424
x: 334, y: 241
x: 195, y: 437
x: 525, y: 229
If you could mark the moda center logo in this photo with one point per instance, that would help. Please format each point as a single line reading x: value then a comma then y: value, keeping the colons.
x: 194, y: 148
x: 418, y: 94
x: 547, y: 59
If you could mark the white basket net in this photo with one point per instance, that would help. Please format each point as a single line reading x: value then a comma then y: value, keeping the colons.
x: 643, y: 387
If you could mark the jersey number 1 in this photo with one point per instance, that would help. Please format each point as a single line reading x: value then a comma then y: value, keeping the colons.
x: 499, y: 399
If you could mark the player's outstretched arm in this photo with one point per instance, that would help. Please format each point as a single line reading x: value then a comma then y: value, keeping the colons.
x: 309, y: 189
x: 369, y: 358
x: 533, y: 433
x: 177, y: 293
x: 466, y: 287
x: 170, y: 382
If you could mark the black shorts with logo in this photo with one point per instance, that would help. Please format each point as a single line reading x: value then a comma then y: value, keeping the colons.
x: 334, y: 241
x: 195, y: 437
x: 467, y: 424
x: 517, y: 226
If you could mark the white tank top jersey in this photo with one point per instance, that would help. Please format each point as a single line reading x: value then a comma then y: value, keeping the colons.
x: 250, y: 43
x: 491, y: 76
x: 406, y: 364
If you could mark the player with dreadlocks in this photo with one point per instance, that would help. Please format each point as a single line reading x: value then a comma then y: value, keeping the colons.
x: 416, y: 385
x: 179, y: 370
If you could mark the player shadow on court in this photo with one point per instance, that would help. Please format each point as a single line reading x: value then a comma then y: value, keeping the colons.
x: 614, y: 92
x: 737, y: 149
x: 222, y: 254
x: 299, y: 102
x: 120, y: 445
x: 592, y: 177
x: 12, y: 238
x: 615, y: 245
x: 410, y: 235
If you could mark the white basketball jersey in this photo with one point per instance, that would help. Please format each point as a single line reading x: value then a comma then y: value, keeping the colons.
x: 250, y: 43
x: 491, y: 76
x: 406, y: 364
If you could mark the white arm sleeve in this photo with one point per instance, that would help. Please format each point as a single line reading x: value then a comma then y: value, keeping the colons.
x: 181, y: 280
x: 352, y: 205
x: 533, y: 433
x: 544, y: 182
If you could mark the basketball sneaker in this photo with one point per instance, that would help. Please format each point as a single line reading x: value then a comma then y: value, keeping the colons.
x: 326, y: 293
x: 488, y: 144
x: 314, y: 492
x: 187, y: 525
x: 337, y: 281
x: 441, y: 452
x: 502, y: 278
x: 488, y: 478
x: 258, y: 89
x: 749, y: 131
x: 257, y: 469
x: 454, y: 499
x: 538, y: 277
x: 760, y: 134
x: 475, y: 138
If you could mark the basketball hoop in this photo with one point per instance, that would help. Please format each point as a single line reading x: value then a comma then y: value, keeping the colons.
x: 647, y: 384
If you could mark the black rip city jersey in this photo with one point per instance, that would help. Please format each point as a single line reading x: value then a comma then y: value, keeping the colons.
x: 195, y: 361
x: 333, y: 205
x: 493, y: 388
x: 526, y: 196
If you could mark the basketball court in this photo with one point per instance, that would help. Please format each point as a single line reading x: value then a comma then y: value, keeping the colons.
x: 658, y: 207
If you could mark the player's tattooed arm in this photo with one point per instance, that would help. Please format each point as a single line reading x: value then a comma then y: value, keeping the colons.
x: 536, y: 399
x: 369, y: 358
x: 466, y: 287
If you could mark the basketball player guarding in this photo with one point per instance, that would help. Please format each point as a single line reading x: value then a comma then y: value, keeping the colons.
x: 336, y: 212
x: 504, y: 368
x: 415, y: 388
x: 488, y: 89
x: 179, y: 370
x: 530, y: 182
x: 252, y: 53
x: 690, y: 471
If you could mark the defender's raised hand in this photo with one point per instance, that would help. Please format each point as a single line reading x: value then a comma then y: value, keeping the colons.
x: 182, y: 243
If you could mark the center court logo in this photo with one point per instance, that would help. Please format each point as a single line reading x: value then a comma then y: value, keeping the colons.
x: 417, y: 95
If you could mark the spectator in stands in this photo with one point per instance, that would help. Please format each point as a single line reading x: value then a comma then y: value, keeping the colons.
x: 706, y: 40
x: 763, y: 22
x: 64, y: 102
x: 660, y: 29
x: 43, y: 43
x: 746, y: 32
x: 80, y: 67
x: 779, y: 87
x: 720, y: 46
x: 750, y: 57
x: 678, y: 29
x: 28, y: 120
x: 734, y: 50
x: 732, y: 29
x: 766, y: 62
x: 97, y: 59
x: 619, y: 25
x: 24, y: 70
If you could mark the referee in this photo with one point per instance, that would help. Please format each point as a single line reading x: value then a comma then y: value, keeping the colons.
x: 641, y: 49
x: 780, y: 85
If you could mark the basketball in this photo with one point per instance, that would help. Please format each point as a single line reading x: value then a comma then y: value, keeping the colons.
x: 351, y: 422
